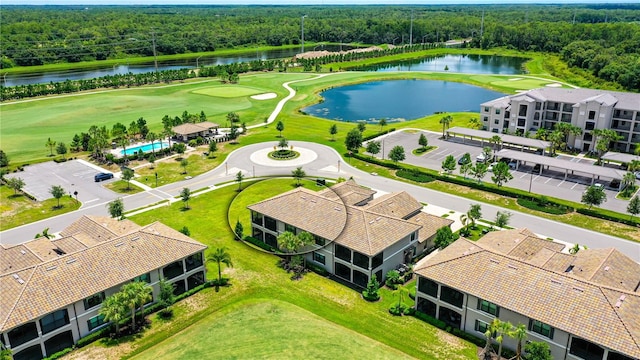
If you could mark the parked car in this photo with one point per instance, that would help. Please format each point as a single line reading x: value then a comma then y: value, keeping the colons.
x: 638, y: 175
x: 536, y: 168
x: 505, y: 160
x: 103, y: 176
x: 463, y: 160
x: 513, y: 164
x: 493, y: 164
x: 481, y: 158
x: 539, y: 151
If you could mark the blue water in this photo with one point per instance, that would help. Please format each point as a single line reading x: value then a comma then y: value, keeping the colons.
x: 398, y: 100
x: 472, y: 64
x: 145, y: 148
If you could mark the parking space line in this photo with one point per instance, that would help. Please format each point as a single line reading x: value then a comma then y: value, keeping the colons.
x: 96, y: 199
x: 576, y: 184
x: 561, y: 182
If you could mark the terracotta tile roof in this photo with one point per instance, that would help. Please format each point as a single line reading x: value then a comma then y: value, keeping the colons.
x: 53, y: 284
x: 583, y: 308
x: 348, y: 192
x: 100, y: 228
x: 504, y: 241
x: 615, y: 270
x: 192, y: 128
x: 16, y: 257
x: 399, y: 205
x: 430, y: 224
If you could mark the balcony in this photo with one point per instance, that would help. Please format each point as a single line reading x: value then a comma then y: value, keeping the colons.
x: 623, y: 114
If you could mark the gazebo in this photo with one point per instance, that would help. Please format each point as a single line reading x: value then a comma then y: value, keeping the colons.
x: 188, y: 131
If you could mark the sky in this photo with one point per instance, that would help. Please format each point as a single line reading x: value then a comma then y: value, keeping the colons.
x: 301, y: 2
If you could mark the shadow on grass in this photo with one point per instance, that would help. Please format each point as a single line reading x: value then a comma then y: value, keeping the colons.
x: 127, y: 334
x: 15, y: 196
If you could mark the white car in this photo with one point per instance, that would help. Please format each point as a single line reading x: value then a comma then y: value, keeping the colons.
x: 638, y: 175
x: 493, y: 164
x: 481, y: 158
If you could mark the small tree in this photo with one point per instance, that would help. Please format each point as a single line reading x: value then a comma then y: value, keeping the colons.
x: 475, y: 213
x: 449, y: 164
x: 594, y: 195
x: 383, y: 123
x: 333, y: 130
x: 61, y: 149
x: 397, y: 154
x: 283, y: 144
x: 373, y: 147
x: 362, y: 126
x: 487, y: 152
x: 400, y: 292
x: 57, y: 192
x: 465, y: 169
x: 239, y: 230
x: 520, y: 334
x: 298, y: 174
x: 184, y: 163
x: 185, y: 231
x: 233, y: 134
x: 166, y: 297
x: 502, y: 218
x: 180, y: 148
x: 127, y: 175
x: 116, y: 209
x: 4, y: 159
x: 185, y: 194
x: 233, y: 117
x: 220, y: 256
x: 446, y: 122
x: 423, y: 141
x: 501, y: 174
x: 371, y: 293
x: 50, y: 144
x: 152, y: 161
x: 16, y: 184
x: 114, y: 309
x: 538, y: 350
x: 239, y: 178
x: 444, y: 237
x: 353, y: 140
x: 213, y: 147
x: 280, y: 127
x: 479, y: 171
x: 634, y: 206
x: 392, y: 279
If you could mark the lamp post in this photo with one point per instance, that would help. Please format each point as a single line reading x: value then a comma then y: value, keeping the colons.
x: 156, y: 179
x: 302, y: 32
x: 198, y: 58
x: 530, y: 180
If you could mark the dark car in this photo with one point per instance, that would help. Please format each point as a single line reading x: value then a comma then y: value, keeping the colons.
x: 103, y: 176
x: 464, y: 159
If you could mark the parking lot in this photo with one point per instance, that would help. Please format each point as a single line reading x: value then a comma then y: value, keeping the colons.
x: 549, y: 183
x: 71, y: 175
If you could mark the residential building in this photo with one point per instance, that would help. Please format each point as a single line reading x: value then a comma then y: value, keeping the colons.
x: 588, y: 109
x: 585, y: 305
x: 357, y: 236
x: 52, y: 290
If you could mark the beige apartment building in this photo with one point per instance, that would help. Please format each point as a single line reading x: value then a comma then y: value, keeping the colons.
x: 52, y: 289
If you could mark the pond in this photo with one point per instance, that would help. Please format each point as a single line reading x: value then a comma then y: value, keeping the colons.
x: 473, y: 64
x: 398, y: 100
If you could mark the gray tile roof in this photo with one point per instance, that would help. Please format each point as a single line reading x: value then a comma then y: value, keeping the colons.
x: 622, y: 100
x: 587, y: 309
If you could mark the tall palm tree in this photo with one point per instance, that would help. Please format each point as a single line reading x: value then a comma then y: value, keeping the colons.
x: 130, y: 299
x: 446, y: 122
x: 519, y: 333
x: 151, y: 136
x: 220, y: 256
x: 495, y: 140
x: 465, y: 219
x: 383, y: 123
x: 143, y: 295
x: 629, y: 179
x: 502, y: 328
x: 114, y: 310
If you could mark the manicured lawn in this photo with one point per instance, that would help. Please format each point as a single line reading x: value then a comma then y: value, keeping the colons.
x: 121, y: 187
x: 227, y: 91
x: 16, y: 210
x: 269, y: 329
x: 170, y: 170
x: 255, y: 278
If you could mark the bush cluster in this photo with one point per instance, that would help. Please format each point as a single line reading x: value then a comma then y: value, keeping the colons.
x: 259, y: 243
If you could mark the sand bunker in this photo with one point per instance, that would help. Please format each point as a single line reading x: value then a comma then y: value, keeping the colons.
x: 515, y: 79
x: 554, y: 85
x: 265, y: 96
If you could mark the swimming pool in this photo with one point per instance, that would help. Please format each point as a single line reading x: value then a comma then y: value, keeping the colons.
x: 145, y: 148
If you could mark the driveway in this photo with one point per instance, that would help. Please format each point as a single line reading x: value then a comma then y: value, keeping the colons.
x: 72, y: 175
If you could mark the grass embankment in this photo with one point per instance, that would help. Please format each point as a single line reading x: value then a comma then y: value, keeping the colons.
x: 255, y: 278
x: 18, y: 209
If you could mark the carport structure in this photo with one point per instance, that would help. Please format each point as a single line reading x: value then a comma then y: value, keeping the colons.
x: 620, y: 157
x: 567, y: 166
x: 505, y: 140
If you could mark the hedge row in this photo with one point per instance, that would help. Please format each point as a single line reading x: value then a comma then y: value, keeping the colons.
x: 414, y: 175
x: 259, y: 243
x: 504, y: 191
x: 369, y: 137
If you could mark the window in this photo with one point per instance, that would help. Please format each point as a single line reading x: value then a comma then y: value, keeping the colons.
x: 290, y: 228
x: 319, y: 258
x: 377, y: 260
x: 585, y: 349
x: 54, y: 320
x: 536, y: 116
x: 95, y: 322
x: 342, y: 271
x: 360, y: 279
x: 270, y: 240
x: 256, y: 218
x: 193, y: 261
x: 360, y: 260
x: 587, y: 137
x: 58, y: 342
x: 428, y: 287
x: 485, y: 119
x: 319, y: 240
x: 497, y: 111
x: 195, y: 280
x: 270, y: 223
x: 567, y: 107
x: 592, y: 115
x: 481, y: 326
x: 32, y: 352
x: 522, y: 110
x: 173, y: 270
x: 426, y: 307
x: 451, y: 296
x: 93, y: 300
x: 507, y: 114
x: 538, y: 106
x: 178, y: 287
x: 143, y: 278
x: 486, y: 109
x: 413, y: 236
x: 522, y: 122
x: 496, y: 121
x: 488, y: 307
x: 617, y: 356
x: 22, y: 334
x: 257, y: 234
x: 343, y: 253
x: 541, y: 328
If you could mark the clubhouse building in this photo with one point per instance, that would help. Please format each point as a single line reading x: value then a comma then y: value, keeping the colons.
x: 52, y: 289
x: 356, y: 235
x: 585, y: 305
x: 588, y: 109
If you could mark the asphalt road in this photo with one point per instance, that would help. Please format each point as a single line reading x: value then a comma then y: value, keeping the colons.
x: 327, y: 164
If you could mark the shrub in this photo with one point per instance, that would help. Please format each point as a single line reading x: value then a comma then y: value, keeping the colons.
x: 549, y: 208
x: 373, y: 136
x: 430, y: 320
x: 193, y: 143
x: 371, y: 292
x: 393, y: 279
x: 317, y: 269
x: 414, y: 175
x: 609, y: 215
x: 259, y: 243
x: 397, y: 310
x: 59, y: 354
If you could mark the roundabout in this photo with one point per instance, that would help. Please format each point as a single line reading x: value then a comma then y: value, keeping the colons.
x: 261, y: 156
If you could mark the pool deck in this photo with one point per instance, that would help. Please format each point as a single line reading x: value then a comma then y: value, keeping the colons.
x: 117, y: 152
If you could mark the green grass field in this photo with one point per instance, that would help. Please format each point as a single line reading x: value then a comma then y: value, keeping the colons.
x: 228, y: 91
x: 267, y: 329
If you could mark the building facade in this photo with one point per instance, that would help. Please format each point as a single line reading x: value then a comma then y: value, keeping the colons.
x: 53, y: 289
x: 586, y: 108
x: 585, y: 306
x: 356, y: 236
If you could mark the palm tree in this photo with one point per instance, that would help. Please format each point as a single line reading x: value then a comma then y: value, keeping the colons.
x: 400, y: 292
x: 123, y: 141
x: 383, y: 123
x: 495, y: 140
x: 465, y: 220
x: 298, y: 174
x: 151, y: 136
x: 446, y: 122
x: 501, y: 328
x: 114, y: 310
x: 519, y: 333
x: 220, y: 256
x: 50, y: 144
x: 130, y: 299
x: 628, y: 180
x: 168, y: 133
x: 143, y: 294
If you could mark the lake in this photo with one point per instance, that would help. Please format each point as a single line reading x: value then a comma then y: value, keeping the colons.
x: 473, y: 64
x: 398, y: 100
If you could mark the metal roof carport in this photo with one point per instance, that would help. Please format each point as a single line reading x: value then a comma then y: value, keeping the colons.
x: 566, y: 165
x: 483, y: 135
x: 619, y: 157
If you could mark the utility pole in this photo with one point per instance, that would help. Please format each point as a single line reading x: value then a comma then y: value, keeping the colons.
x: 302, y: 32
x: 411, y: 30
x: 155, y: 55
